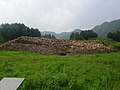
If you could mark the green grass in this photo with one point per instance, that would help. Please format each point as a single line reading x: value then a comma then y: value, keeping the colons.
x: 76, y: 72
x: 109, y: 42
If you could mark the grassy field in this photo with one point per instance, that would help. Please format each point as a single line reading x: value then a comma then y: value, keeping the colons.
x: 76, y: 72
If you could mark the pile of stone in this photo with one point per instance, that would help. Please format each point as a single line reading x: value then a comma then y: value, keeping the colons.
x: 55, y: 46
x: 89, y: 47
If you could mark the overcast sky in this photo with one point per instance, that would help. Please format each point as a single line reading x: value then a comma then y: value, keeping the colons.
x: 59, y: 15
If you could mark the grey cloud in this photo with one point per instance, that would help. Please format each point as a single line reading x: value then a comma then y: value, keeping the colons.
x: 59, y: 15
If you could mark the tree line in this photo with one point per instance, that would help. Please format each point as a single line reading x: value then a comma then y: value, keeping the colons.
x: 87, y: 34
x: 114, y: 36
x: 14, y: 30
x: 48, y: 36
x: 11, y: 31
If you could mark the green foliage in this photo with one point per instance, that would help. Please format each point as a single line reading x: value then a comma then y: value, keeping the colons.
x: 48, y: 36
x: 2, y: 39
x: 109, y: 42
x: 11, y: 31
x: 87, y: 34
x: 77, y: 72
x: 106, y: 27
x: 75, y: 36
x: 114, y: 36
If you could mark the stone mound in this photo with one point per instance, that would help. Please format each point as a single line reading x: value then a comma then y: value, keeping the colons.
x: 55, y: 46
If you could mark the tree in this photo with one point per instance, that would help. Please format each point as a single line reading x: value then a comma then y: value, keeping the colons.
x: 109, y: 35
x: 114, y: 36
x: 72, y: 36
x: 83, y: 35
x: 48, y: 36
x: 88, y: 34
x: 11, y: 31
x: 75, y: 36
x: 2, y: 39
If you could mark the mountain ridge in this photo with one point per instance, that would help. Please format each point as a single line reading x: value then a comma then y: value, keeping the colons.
x: 62, y: 35
x: 102, y: 30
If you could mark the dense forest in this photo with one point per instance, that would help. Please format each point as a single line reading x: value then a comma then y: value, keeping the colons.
x: 87, y: 34
x: 11, y: 31
x: 114, y: 36
x: 14, y: 30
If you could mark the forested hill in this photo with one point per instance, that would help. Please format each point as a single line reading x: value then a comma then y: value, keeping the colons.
x: 102, y: 30
x: 106, y: 27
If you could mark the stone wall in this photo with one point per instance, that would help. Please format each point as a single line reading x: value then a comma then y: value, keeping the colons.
x: 55, y: 46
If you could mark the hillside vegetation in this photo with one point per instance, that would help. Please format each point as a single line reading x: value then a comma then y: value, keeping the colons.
x: 77, y: 72
x: 109, y: 42
x: 14, y: 30
x: 102, y: 30
x: 106, y: 27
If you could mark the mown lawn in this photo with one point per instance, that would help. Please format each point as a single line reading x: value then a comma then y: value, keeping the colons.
x: 76, y: 72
